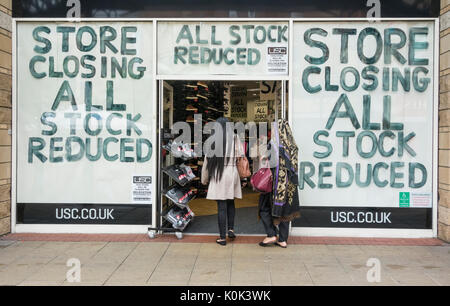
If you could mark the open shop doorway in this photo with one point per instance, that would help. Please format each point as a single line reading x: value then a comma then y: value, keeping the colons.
x: 184, y: 101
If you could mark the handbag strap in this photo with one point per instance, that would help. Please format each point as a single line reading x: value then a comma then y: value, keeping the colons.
x: 264, y: 162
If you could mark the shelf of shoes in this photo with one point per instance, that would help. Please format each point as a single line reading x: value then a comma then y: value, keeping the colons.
x: 175, y: 207
x: 198, y: 97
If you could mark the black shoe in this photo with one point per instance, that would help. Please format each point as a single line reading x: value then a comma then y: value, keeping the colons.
x: 231, y: 234
x: 281, y: 246
x: 180, y: 195
x: 221, y: 241
x: 263, y: 244
x: 177, y: 174
x: 266, y: 244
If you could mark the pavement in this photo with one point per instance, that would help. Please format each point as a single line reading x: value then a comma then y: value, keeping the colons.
x: 144, y: 263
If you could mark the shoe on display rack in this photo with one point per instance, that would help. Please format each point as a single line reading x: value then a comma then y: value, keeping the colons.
x: 188, y: 215
x: 201, y: 96
x: 204, y: 85
x: 177, y: 174
x: 180, y: 196
x: 174, y: 148
x: 191, y: 87
x: 192, y: 98
x: 179, y: 150
x: 180, y: 217
x: 174, y: 216
x: 187, y: 151
x: 191, y: 108
x: 188, y: 171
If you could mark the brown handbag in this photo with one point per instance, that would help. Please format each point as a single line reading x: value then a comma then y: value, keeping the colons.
x: 242, y: 161
x: 243, y: 167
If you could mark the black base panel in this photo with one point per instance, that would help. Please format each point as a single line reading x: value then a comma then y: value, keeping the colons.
x: 364, y: 217
x: 42, y: 213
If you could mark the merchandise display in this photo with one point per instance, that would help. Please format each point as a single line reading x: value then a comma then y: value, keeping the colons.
x: 190, y: 98
x: 180, y: 217
x: 179, y: 150
x: 188, y: 171
x: 177, y: 174
x: 180, y: 195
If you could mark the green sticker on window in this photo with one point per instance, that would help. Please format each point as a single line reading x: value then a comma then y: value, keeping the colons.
x: 404, y: 199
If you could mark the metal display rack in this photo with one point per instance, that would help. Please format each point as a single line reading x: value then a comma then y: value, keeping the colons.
x: 164, y: 222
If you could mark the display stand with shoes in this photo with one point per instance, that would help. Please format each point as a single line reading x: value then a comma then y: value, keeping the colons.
x: 205, y: 98
x: 180, y: 196
x: 176, y: 211
x: 181, y: 168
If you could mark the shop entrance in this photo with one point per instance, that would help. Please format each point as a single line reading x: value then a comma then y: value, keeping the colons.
x: 185, y: 101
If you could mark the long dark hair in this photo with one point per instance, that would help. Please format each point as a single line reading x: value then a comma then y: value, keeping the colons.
x: 216, y: 164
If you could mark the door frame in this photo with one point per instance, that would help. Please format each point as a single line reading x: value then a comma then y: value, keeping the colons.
x: 163, y: 84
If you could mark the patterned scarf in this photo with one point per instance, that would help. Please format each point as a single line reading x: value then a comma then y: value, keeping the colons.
x: 285, y: 194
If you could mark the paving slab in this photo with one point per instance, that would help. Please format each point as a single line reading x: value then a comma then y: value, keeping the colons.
x: 441, y: 276
x: 290, y: 278
x: 210, y: 276
x: 82, y: 251
x: 206, y: 264
x: 170, y: 263
x: 40, y: 283
x: 413, y: 279
x: 114, y: 253
x: 97, y: 272
x: 83, y: 284
x: 126, y: 283
x: 249, y: 252
x: 132, y: 273
x: 215, y: 252
x: 282, y: 267
x: 328, y: 274
x: 250, y: 265
x: 55, y: 273
x: 33, y: 263
x: 148, y: 251
x: 5, y: 243
x: 18, y: 250
x: 177, y: 277
x: 14, y: 274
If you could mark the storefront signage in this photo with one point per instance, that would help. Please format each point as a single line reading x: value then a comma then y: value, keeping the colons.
x: 240, y: 48
x: 239, y: 103
x: 362, y: 113
x: 85, y: 123
x: 260, y: 111
x: 268, y: 90
x: 364, y: 217
x: 361, y: 108
x: 142, y: 188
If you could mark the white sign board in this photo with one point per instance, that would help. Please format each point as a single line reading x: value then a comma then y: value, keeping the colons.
x: 362, y: 113
x: 238, y: 103
x: 227, y: 48
x: 142, y: 189
x: 260, y: 111
x: 85, y: 117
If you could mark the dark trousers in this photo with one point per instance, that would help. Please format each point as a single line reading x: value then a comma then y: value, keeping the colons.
x: 265, y: 212
x: 226, y: 211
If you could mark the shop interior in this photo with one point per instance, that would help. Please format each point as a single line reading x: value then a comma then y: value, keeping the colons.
x: 183, y: 197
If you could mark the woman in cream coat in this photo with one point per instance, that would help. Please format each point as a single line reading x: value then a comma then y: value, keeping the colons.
x: 220, y: 171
